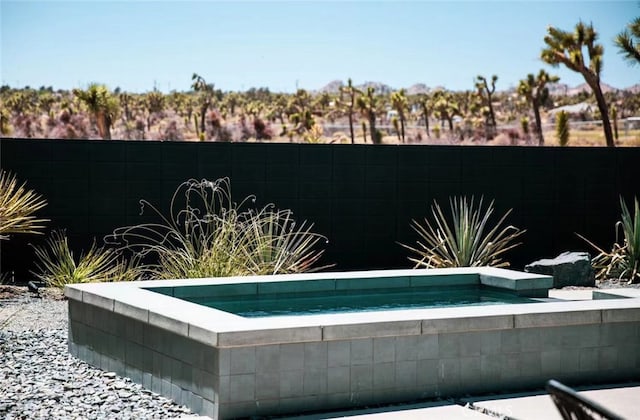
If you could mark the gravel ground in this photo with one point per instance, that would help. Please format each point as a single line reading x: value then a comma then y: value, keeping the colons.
x: 39, y: 379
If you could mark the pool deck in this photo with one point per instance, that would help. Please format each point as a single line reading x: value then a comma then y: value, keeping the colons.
x: 621, y: 399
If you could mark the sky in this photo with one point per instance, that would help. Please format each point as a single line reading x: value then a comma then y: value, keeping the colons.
x: 284, y: 45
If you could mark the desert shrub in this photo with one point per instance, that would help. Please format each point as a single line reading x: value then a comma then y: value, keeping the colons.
x: 172, y: 132
x: 17, y: 207
x: 56, y: 265
x: 623, y: 261
x: 263, y: 130
x: 466, y: 239
x: 207, y: 234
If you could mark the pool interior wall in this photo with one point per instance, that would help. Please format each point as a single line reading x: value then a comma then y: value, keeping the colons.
x: 226, y: 366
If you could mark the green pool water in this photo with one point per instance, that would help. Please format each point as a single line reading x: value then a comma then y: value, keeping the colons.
x: 345, y: 301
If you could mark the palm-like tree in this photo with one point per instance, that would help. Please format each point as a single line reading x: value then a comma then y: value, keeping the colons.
x: 628, y: 42
x: 205, y: 97
x: 154, y: 103
x: 445, y: 107
x: 423, y: 100
x: 568, y: 48
x: 400, y: 103
x: 534, y: 89
x: 350, y: 92
x: 486, y: 94
x: 102, y: 104
x: 369, y: 105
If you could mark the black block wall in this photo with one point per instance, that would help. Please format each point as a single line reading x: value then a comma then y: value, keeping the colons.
x: 362, y: 197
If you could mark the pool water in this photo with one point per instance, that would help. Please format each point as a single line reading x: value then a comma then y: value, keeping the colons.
x: 345, y: 301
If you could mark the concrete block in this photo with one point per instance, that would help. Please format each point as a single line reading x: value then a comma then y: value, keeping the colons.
x: 467, y: 324
x: 267, y: 387
x: 315, y: 356
x: 291, y: 383
x: 270, y: 336
x: 428, y: 346
x: 268, y: 358
x: 338, y: 353
x: 243, y: 360
x: 510, y: 341
x: 73, y: 293
x: 338, y: 379
x: 556, y: 319
x: 406, y: 373
x: 407, y: 348
x: 449, y: 345
x: 361, y: 378
x: 315, y: 381
x: 291, y: 357
x: 427, y: 372
x: 530, y: 364
x: 529, y: 339
x: 384, y: 375
x: 377, y: 329
x: 384, y: 350
x: 362, y: 352
x: 169, y: 323
x: 98, y: 301
x: 470, y: 344
x: 242, y: 387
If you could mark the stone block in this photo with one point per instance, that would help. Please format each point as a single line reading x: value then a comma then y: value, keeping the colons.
x: 567, y: 269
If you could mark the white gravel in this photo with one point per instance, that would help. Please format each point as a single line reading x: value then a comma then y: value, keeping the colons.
x: 39, y: 379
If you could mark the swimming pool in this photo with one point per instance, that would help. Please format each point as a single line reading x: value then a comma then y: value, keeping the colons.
x: 225, y: 366
x: 285, y: 303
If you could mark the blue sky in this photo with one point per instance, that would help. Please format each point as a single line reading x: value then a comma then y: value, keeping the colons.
x: 135, y: 45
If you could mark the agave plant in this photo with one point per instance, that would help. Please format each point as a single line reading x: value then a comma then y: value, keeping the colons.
x: 466, y: 240
x: 209, y: 235
x: 623, y: 262
x: 56, y: 265
x: 17, y: 207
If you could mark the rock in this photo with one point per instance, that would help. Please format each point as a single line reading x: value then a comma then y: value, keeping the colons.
x: 567, y: 269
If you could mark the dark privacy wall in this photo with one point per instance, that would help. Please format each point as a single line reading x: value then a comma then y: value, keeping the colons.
x: 362, y: 198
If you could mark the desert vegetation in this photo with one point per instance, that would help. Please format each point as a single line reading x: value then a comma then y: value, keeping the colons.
x: 350, y: 113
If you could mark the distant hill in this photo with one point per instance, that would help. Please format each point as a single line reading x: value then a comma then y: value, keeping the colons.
x: 418, y: 88
x: 380, y: 88
x: 332, y: 87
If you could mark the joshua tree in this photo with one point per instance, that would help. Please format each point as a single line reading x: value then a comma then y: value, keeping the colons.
x: 628, y: 42
x: 350, y: 92
x: 534, y: 89
x: 400, y: 104
x: 614, y: 117
x: 153, y: 102
x: 568, y: 48
x: 562, y: 128
x: 445, y: 107
x: 423, y: 100
x: 205, y: 97
x: 368, y: 105
x: 102, y: 105
x: 486, y: 94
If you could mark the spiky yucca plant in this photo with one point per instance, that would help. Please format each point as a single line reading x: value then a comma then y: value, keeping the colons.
x: 56, y: 265
x: 467, y: 239
x: 623, y: 262
x: 17, y: 207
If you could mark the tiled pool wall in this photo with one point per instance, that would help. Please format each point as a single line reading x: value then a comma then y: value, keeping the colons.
x: 235, y: 367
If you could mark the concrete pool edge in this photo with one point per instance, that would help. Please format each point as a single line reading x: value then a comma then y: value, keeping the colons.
x: 219, y: 328
x: 221, y: 365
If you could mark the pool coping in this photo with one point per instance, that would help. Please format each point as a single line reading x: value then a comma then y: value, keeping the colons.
x: 222, y: 329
